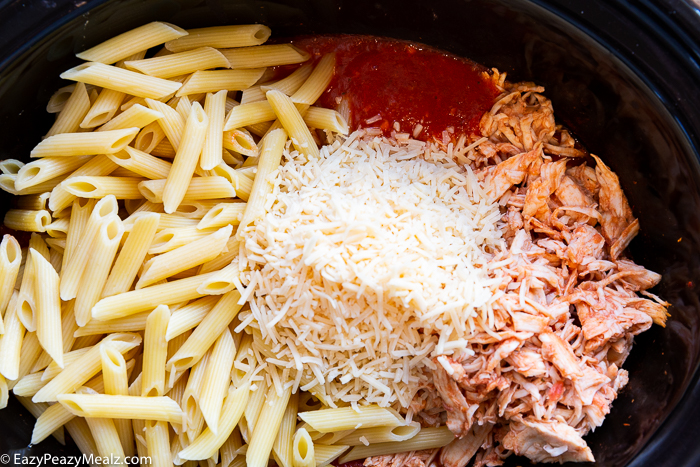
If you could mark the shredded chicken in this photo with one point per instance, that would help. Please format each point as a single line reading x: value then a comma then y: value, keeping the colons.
x: 568, y: 304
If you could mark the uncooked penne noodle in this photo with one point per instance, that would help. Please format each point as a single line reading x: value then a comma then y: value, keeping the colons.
x: 317, y: 83
x: 221, y: 215
x: 265, y: 56
x: 26, y: 301
x: 135, y: 301
x: 293, y: 123
x: 303, y: 454
x: 58, y: 228
x: 137, y: 116
x: 186, y: 159
x: 214, y: 106
x: 37, y: 410
x: 427, y: 438
x: 28, y: 221
x: 381, y: 434
x: 199, y: 188
x: 217, y: 379
x: 52, y: 370
x: 45, y: 169
x: 189, y: 316
x: 346, y: 418
x: 84, y: 144
x: 149, y: 137
x: 36, y: 202
x: 80, y: 434
x: 169, y: 239
x: 324, y: 455
x: 241, y: 183
x: 99, y: 187
x: 267, y: 427
x: 160, y: 408
x: 97, y: 166
x: 11, y: 166
x: 224, y: 259
x: 10, y: 260
x: 80, y: 371
x: 183, y: 258
x: 11, y: 342
x: 104, y: 249
x: 249, y: 114
x: 116, y: 383
x: 221, y: 36
x: 104, y: 432
x: 194, y: 421
x: 131, y: 42
x: 207, y: 332
x: 141, y: 163
x: 158, y: 443
x: 75, y: 109
x: 240, y: 141
x: 131, y: 323
x: 48, y: 422
x: 208, y: 443
x: 291, y: 83
x: 7, y: 183
x: 155, y: 352
x: 326, y: 119
x: 177, y: 64
x: 80, y: 213
x: 48, y: 307
x: 182, y: 107
x: 73, y: 270
x: 269, y: 162
x: 217, y: 80
x: 222, y: 281
x: 196, y: 209
x: 132, y: 254
x: 58, y: 99
x: 282, y: 446
x: 117, y: 79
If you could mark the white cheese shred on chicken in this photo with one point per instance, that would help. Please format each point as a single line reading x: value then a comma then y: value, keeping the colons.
x: 369, y: 261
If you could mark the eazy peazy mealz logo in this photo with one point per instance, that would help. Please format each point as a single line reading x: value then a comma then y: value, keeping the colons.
x: 85, y: 459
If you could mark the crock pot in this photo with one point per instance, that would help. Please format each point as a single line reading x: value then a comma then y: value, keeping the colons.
x: 623, y: 75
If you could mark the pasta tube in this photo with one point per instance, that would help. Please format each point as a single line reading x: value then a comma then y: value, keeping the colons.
x: 217, y: 80
x: 48, y: 307
x: 199, y: 188
x: 427, y: 438
x: 303, y: 454
x: 84, y: 144
x: 10, y: 260
x: 75, y: 109
x: 141, y: 163
x: 99, y: 187
x: 318, y: 81
x: 221, y: 37
x: 292, y: 121
x: 160, y: 408
x: 118, y: 79
x: 215, y: 108
x: 266, y: 427
x: 264, y: 56
x: 178, y: 64
x: 155, y: 352
x: 346, y: 418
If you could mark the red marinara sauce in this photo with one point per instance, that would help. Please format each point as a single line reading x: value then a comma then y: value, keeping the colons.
x: 403, y: 82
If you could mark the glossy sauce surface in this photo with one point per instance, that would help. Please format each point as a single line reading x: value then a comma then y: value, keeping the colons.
x: 403, y: 82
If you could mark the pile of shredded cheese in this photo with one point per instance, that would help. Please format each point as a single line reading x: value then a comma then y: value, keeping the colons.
x: 369, y: 261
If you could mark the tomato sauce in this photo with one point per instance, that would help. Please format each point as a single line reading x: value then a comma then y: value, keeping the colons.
x: 403, y: 82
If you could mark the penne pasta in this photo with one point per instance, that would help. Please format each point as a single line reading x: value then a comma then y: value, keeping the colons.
x: 58, y: 228
x: 103, y: 250
x: 26, y: 301
x: 10, y: 260
x: 133, y: 41
x: 381, y: 434
x: 269, y: 162
x: 221, y: 37
x: 189, y: 316
x: 131, y: 323
x: 303, y: 454
x: 149, y: 137
x: 224, y: 259
x: 160, y: 408
x: 183, y: 258
x: 137, y: 116
x: 48, y: 307
x: 346, y: 418
x: 194, y: 421
x: 88, y: 365
x: 114, y: 372
x: 196, y: 209
x: 264, y: 56
x: 73, y: 112
x: 222, y: 281
x: 267, y: 427
x: 206, y: 333
x: 186, y: 159
x: 324, y: 455
x: 99, y: 187
x: 7, y: 183
x: 58, y: 99
x: 427, y: 438
x: 84, y: 144
x: 199, y: 188
x: 172, y: 123
x: 291, y: 83
x: 318, y: 82
x: 241, y: 183
x: 217, y: 378
x: 177, y: 64
x: 80, y: 434
x: 217, y: 80
x: 28, y: 221
x: 326, y: 119
x: 141, y: 163
x: 171, y: 238
x: 208, y: 443
x: 293, y: 123
x: 118, y: 79
x: 80, y: 213
x: 130, y: 303
x: 183, y: 106
x: 249, y: 114
x: 97, y: 166
x: 240, y: 141
x: 48, y: 422
x: 222, y: 215
x: 52, y: 370
x: 45, y: 169
x: 35, y: 202
x: 282, y: 447
x: 155, y: 352
x: 11, y: 166
x: 105, y: 434
x: 11, y: 342
x: 158, y: 443
x: 214, y: 107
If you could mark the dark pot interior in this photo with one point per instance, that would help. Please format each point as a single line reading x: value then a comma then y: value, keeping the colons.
x: 622, y: 77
